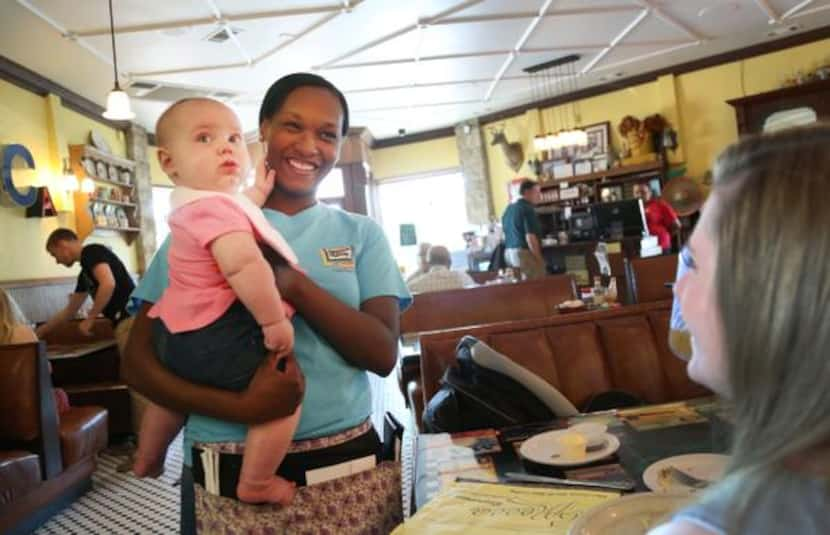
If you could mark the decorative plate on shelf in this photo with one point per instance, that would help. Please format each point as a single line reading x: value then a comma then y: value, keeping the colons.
x: 89, y: 166
x: 113, y: 173
x: 126, y: 177
x: 99, y: 141
x: 123, y: 222
x: 101, y: 170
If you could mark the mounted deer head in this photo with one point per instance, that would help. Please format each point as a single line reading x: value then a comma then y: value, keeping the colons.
x: 513, y: 151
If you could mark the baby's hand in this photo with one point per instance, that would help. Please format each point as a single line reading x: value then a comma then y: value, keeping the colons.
x: 279, y: 337
x: 264, y: 178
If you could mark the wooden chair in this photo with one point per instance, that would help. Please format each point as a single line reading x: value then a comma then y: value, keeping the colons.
x: 647, y: 278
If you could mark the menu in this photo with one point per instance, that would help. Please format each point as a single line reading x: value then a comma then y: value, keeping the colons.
x: 501, y: 509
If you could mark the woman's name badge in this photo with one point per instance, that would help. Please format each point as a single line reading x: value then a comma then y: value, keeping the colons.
x: 338, y: 257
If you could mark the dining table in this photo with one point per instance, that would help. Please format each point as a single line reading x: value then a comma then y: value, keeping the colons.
x: 645, y: 435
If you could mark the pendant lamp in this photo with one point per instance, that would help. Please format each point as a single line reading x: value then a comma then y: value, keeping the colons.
x: 118, y: 103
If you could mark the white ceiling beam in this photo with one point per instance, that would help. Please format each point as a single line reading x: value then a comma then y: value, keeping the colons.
x: 425, y: 105
x: 768, y: 10
x: 620, y: 36
x: 795, y: 9
x: 668, y: 19
x: 406, y: 29
x: 229, y: 30
x: 468, y: 81
x: 67, y: 33
x: 812, y: 11
x: 511, y: 57
x: 307, y: 30
x: 595, y: 10
x: 201, y: 21
x: 650, y: 55
x: 316, y: 25
x: 487, y: 53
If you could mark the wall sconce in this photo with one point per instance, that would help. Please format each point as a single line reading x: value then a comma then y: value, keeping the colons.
x: 87, y: 185
x: 68, y: 179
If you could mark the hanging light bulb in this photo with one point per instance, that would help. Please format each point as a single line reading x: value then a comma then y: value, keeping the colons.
x: 581, y: 138
x: 87, y: 185
x: 68, y: 178
x: 118, y: 102
x: 539, y: 143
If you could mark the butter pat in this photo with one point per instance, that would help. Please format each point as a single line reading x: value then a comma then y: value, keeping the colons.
x: 572, y: 445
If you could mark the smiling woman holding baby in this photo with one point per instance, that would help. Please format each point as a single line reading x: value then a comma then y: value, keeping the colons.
x: 347, y: 294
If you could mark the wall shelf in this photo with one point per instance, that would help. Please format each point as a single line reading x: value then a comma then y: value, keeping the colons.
x: 656, y: 166
x: 84, y: 218
x: 116, y: 203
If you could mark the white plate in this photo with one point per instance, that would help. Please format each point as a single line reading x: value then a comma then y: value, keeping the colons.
x: 540, y: 449
x: 99, y: 141
x: 635, y: 514
x: 708, y: 466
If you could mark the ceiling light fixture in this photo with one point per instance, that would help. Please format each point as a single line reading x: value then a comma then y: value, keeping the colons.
x: 118, y: 103
x: 545, y: 78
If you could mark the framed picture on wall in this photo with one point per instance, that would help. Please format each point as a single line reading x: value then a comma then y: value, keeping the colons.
x: 598, y: 139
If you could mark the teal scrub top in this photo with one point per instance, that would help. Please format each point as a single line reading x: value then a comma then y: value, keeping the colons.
x: 519, y: 219
x: 348, y: 256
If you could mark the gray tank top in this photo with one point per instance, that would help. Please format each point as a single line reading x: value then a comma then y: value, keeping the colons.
x: 804, y: 510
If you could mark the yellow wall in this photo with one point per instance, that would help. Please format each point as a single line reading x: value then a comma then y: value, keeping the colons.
x: 157, y: 176
x: 28, y: 119
x: 708, y: 121
x: 414, y: 158
x: 694, y: 103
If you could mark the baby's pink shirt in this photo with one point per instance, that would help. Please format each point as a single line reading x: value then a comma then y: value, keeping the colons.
x: 198, y: 293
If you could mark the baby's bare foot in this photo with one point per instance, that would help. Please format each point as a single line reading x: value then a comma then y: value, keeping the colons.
x: 148, y: 467
x: 271, y: 490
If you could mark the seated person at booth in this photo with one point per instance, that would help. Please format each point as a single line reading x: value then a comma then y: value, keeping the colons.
x: 439, y: 276
x: 660, y: 216
x: 755, y: 302
x: 103, y: 276
x: 423, y: 265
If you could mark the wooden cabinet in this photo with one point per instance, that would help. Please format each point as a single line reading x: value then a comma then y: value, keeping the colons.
x: 113, y: 205
x: 753, y: 111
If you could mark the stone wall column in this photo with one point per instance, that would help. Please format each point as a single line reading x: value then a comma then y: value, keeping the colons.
x: 473, y: 158
x: 137, y: 147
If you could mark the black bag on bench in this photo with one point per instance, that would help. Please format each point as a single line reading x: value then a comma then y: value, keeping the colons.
x: 475, y: 397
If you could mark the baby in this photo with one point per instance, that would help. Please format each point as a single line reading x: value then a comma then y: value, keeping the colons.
x: 222, y: 313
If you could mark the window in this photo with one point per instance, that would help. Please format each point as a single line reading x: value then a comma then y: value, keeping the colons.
x: 161, y: 209
x: 435, y: 206
x: 332, y: 186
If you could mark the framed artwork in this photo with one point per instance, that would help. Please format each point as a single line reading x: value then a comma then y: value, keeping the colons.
x: 598, y: 139
x: 598, y: 145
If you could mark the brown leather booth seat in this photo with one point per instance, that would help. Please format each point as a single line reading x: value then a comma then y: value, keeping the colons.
x: 487, y: 304
x: 648, y: 277
x: 580, y: 354
x: 46, y: 460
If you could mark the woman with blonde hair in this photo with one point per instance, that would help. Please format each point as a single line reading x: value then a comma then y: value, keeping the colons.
x: 12, y: 331
x: 756, y: 303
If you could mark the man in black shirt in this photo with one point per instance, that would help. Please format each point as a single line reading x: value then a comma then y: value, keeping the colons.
x: 102, y: 276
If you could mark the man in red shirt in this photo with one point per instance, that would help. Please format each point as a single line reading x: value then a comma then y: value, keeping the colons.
x: 660, y: 216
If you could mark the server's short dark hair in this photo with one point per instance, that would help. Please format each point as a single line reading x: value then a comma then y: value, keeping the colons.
x: 279, y: 91
x: 59, y: 235
x: 526, y: 186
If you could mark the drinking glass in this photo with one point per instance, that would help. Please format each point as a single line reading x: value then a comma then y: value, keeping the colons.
x: 680, y: 340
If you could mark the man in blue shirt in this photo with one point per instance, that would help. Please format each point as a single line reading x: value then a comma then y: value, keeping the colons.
x: 522, y: 229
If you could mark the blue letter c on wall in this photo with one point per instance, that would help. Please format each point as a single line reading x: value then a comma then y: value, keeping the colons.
x: 21, y: 199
